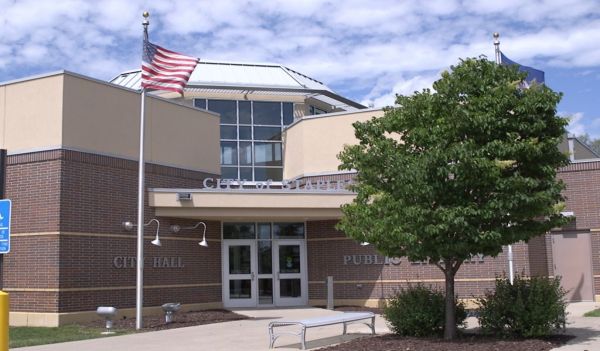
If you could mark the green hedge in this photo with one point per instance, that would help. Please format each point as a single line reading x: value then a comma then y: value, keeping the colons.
x: 530, y: 307
x: 419, y: 311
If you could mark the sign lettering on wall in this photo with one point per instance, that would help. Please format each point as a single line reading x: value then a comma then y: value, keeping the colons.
x: 286, y: 185
x: 155, y: 262
x: 357, y: 260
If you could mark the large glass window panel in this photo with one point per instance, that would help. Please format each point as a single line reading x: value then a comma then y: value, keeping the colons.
x: 200, y: 103
x: 239, y: 259
x: 267, y: 133
x: 246, y: 173
x: 265, y: 257
x: 245, y: 112
x: 226, y: 108
x: 229, y: 173
x: 267, y: 154
x: 245, y: 153
x: 288, y: 113
x: 229, y: 132
x: 288, y: 230
x: 268, y: 113
x: 265, y: 291
x: 229, y: 153
x: 262, y: 174
x: 263, y: 230
x: 238, y: 231
x: 240, y: 288
x: 290, y: 288
x: 289, y: 259
x: 245, y: 133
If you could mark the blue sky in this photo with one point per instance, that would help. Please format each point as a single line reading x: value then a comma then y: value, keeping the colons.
x: 365, y: 50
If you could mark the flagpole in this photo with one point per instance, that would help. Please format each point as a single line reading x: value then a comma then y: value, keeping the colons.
x: 511, y: 273
x: 139, y: 288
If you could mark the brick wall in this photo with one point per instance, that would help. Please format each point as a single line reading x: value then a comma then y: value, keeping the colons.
x: 328, y: 247
x: 67, y: 212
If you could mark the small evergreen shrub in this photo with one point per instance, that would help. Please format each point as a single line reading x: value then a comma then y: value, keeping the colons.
x: 419, y: 311
x: 528, y: 308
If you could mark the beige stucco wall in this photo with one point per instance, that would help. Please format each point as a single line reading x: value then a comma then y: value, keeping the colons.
x: 245, y: 204
x: 74, y: 112
x: 31, y: 114
x: 311, y: 145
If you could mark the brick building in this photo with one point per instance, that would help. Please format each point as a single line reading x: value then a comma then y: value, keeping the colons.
x: 250, y: 150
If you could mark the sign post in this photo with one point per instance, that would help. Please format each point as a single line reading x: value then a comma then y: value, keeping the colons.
x: 5, y: 207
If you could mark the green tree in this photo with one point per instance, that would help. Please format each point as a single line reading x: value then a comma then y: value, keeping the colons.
x: 461, y: 170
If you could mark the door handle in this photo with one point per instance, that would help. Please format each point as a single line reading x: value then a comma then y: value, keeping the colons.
x: 252, y: 276
x: 277, y: 275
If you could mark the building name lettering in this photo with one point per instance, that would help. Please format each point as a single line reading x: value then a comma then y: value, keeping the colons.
x: 295, y: 185
x: 156, y: 262
x: 370, y: 259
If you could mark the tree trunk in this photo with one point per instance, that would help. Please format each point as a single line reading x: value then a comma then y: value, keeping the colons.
x: 450, y: 323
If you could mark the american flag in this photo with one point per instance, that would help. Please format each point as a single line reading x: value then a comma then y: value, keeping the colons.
x: 163, y: 69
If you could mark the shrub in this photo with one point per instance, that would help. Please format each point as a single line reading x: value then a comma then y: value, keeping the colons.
x: 419, y: 311
x: 528, y: 308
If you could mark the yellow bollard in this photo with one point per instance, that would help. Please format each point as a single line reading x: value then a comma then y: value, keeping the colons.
x: 3, y: 321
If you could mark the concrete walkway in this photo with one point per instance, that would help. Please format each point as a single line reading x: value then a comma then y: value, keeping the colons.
x: 252, y: 334
x: 585, y: 329
x: 249, y: 334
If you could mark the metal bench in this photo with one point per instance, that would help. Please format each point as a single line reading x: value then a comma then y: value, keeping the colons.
x: 345, y: 318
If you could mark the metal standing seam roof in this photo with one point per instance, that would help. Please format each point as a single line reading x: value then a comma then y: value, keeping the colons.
x: 265, y: 78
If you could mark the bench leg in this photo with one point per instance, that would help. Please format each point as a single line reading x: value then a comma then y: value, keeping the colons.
x: 303, y: 337
x: 345, y: 328
x: 271, y: 338
x: 372, y: 326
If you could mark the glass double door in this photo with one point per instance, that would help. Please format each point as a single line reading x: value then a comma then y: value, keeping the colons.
x: 264, y: 273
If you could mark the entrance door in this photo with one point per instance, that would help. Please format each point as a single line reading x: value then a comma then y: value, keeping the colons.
x: 573, y: 262
x: 290, y: 272
x: 239, y: 267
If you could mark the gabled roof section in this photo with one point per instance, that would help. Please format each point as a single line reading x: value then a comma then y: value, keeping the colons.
x: 252, y: 77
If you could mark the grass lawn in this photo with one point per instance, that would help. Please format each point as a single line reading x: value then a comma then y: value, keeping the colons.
x: 29, y: 336
x: 594, y: 313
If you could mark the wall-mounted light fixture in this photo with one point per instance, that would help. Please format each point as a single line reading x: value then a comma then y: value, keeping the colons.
x: 184, y: 196
x: 176, y: 229
x: 128, y: 226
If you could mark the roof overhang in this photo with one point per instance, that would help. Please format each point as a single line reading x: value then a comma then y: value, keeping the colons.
x: 234, y: 204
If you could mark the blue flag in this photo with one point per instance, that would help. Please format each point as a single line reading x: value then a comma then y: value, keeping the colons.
x: 532, y: 73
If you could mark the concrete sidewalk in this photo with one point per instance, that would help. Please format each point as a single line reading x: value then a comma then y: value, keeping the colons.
x: 252, y: 334
x: 585, y: 329
x: 249, y: 334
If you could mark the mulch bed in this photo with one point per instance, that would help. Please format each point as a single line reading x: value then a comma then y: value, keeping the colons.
x: 180, y: 320
x: 464, y: 343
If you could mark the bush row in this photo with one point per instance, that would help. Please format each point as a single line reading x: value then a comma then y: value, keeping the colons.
x: 530, y: 307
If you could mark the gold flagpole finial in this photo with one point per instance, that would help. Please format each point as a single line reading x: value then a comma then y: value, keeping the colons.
x: 145, y: 23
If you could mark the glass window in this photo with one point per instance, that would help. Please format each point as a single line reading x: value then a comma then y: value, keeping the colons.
x: 246, y: 173
x: 268, y: 113
x: 263, y: 174
x: 229, y: 132
x: 245, y: 133
x: 267, y: 133
x: 315, y: 111
x: 238, y: 231
x: 290, y: 288
x: 288, y: 230
x: 265, y: 260
x: 229, y: 173
x: 226, y: 108
x: 240, y: 289
x: 264, y: 230
x: 267, y: 154
x: 288, y: 113
x: 228, y: 153
x: 289, y: 259
x: 245, y: 153
x: 239, y: 259
x: 200, y: 103
x: 245, y: 112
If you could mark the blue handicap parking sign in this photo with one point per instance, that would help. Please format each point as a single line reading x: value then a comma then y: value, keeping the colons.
x: 5, y: 206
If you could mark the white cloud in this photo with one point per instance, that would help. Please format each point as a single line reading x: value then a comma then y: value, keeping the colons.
x: 373, y: 49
